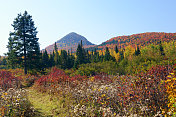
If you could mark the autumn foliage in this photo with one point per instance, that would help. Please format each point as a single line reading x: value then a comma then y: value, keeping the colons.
x: 57, y: 76
x: 8, y: 80
x: 147, y: 94
x: 141, y: 39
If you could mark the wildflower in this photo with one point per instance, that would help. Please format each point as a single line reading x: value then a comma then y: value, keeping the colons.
x: 171, y: 73
x: 103, y: 95
x: 106, y: 88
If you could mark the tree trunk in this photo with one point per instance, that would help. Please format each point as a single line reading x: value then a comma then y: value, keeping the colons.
x: 24, y: 42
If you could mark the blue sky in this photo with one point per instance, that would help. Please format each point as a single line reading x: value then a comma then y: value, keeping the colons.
x: 97, y: 20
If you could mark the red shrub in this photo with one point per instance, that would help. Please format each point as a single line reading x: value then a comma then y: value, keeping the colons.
x: 8, y: 80
x: 57, y: 76
x: 150, y: 89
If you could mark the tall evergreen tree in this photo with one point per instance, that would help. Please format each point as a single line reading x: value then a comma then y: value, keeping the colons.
x: 23, y: 43
x: 161, y: 49
x: 107, y: 56
x: 81, y: 55
x: 137, y: 52
x: 64, y: 59
x: 56, y: 57
x: 45, y: 59
x: 12, y: 59
x: 116, y: 49
x: 70, y: 60
x: 95, y: 56
x: 51, y: 60
x: 121, y: 55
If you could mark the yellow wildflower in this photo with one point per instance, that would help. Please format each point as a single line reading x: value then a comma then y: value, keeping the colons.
x: 106, y: 88
x: 171, y: 73
x: 102, y: 95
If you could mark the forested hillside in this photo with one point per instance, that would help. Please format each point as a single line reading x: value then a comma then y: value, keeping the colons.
x: 141, y: 39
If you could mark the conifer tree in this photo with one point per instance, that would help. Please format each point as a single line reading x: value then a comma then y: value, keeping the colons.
x: 107, y: 56
x: 116, y: 49
x: 64, y: 59
x: 95, y: 56
x: 137, y: 52
x: 12, y: 59
x: 23, y: 44
x: 81, y: 55
x: 51, y: 60
x: 161, y: 49
x: 45, y: 59
x: 70, y: 60
x: 56, y: 57
x: 121, y: 53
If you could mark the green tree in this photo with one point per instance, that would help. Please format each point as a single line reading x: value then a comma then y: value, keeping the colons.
x: 107, y: 56
x: 95, y: 56
x: 116, y: 49
x: 64, y: 59
x: 121, y: 54
x: 161, y: 49
x: 45, y: 59
x: 56, y: 57
x: 81, y: 56
x: 51, y: 60
x: 137, y: 52
x: 12, y: 59
x: 23, y: 43
x: 3, y: 61
x: 70, y: 60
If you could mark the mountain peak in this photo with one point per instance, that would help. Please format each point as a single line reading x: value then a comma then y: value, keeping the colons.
x: 72, y: 33
x: 70, y: 41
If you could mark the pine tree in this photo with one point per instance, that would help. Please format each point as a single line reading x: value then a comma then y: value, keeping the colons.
x: 107, y: 56
x: 95, y: 56
x: 45, y: 59
x: 12, y: 59
x: 121, y: 53
x: 23, y: 43
x: 81, y: 56
x: 161, y: 49
x: 51, y: 60
x: 70, y: 60
x: 88, y: 55
x: 137, y: 52
x: 116, y: 49
x: 64, y: 59
x: 56, y: 57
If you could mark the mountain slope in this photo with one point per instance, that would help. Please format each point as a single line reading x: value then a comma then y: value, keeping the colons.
x: 141, y: 39
x: 69, y: 41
